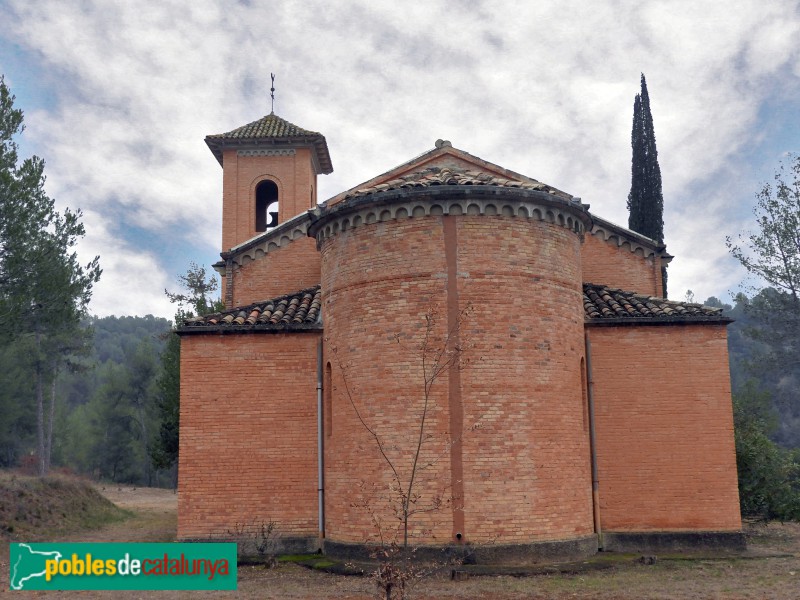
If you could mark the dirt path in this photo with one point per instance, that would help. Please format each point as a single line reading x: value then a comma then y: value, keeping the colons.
x: 775, y: 577
x: 155, y: 516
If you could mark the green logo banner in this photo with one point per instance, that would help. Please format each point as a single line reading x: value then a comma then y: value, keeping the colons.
x: 95, y: 566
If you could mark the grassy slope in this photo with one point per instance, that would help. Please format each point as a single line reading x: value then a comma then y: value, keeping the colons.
x: 32, y: 508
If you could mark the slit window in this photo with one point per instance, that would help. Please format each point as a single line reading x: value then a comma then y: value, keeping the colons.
x: 328, y: 397
x: 584, y: 396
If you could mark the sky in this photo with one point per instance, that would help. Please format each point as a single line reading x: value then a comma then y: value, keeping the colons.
x: 118, y: 97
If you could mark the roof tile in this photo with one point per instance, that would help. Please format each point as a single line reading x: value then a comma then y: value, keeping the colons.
x: 272, y: 129
x: 270, y: 126
x: 285, y: 312
x: 436, y: 176
x: 603, y: 303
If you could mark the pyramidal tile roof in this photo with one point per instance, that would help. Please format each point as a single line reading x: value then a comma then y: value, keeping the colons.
x: 272, y: 129
x: 601, y: 303
x: 434, y: 176
x: 270, y: 126
x: 298, y: 311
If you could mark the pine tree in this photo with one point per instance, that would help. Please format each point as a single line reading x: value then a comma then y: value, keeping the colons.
x: 199, y: 300
x: 645, y: 200
x: 44, y: 290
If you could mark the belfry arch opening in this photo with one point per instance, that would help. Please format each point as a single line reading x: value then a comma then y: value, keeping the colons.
x: 266, y: 205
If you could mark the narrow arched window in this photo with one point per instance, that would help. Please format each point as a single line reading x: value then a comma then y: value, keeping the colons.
x: 266, y: 205
x: 584, y: 396
x: 328, y: 396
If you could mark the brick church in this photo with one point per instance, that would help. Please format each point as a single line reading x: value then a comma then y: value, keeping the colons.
x: 581, y: 410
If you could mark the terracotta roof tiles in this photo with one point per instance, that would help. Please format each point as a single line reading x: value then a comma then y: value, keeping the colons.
x: 270, y: 126
x: 302, y: 311
x: 298, y: 311
x: 434, y: 176
x: 275, y: 130
x: 603, y: 303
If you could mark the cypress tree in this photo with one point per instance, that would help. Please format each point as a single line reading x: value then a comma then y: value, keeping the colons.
x: 645, y: 200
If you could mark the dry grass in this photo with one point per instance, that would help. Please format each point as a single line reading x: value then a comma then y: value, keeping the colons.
x: 57, y: 505
x: 772, y: 569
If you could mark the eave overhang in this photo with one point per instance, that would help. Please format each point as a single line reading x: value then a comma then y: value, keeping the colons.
x: 454, y: 200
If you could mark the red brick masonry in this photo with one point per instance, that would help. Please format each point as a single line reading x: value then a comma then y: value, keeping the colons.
x: 499, y: 260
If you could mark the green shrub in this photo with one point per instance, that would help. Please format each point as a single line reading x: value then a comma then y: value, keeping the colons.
x: 769, y: 476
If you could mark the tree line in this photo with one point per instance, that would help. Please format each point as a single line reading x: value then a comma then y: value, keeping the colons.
x: 104, y: 409
x: 765, y: 351
x: 115, y: 413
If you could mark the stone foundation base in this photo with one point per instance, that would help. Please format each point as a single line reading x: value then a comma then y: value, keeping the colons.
x: 526, y: 554
x: 673, y: 541
x: 510, y: 554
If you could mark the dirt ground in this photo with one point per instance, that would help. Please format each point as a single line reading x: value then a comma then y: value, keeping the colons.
x: 771, y: 570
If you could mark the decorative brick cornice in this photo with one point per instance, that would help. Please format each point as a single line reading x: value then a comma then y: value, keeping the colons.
x: 456, y: 200
x: 283, y: 234
x: 625, y: 238
x: 266, y: 152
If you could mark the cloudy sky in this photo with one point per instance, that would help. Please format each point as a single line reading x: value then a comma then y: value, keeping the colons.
x: 119, y: 95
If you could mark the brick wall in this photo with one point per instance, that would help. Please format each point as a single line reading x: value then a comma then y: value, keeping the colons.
x: 287, y: 269
x: 294, y: 176
x: 379, y: 280
x: 516, y: 412
x: 526, y: 467
x: 606, y: 263
x: 665, y: 446
x: 248, y: 433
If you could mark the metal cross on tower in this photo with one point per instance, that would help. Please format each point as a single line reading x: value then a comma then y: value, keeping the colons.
x: 272, y: 93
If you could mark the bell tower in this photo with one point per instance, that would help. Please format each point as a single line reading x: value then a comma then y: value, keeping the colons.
x: 269, y: 175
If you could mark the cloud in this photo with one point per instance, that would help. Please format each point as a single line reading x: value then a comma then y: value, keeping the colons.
x: 133, y: 280
x: 544, y: 88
